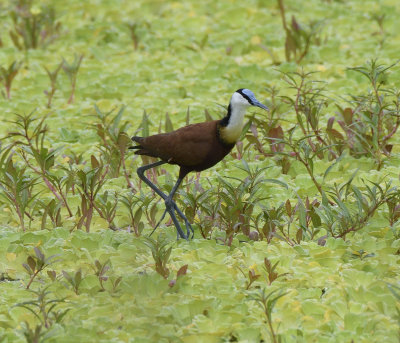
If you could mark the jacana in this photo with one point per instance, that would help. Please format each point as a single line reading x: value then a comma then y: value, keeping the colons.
x: 194, y: 147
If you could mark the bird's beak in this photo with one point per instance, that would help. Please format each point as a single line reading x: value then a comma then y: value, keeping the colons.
x: 259, y: 104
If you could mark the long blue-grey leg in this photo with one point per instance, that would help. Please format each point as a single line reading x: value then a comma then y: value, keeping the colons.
x: 140, y: 172
x: 170, y: 203
x: 171, y: 206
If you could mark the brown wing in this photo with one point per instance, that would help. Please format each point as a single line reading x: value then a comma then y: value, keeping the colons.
x: 188, y: 146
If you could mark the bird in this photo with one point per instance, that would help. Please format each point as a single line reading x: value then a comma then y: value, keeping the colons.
x: 194, y: 147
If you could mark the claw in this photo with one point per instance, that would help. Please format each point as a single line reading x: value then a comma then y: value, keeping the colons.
x: 189, y: 229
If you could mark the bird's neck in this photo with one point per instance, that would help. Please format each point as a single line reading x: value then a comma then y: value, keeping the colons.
x: 231, y: 125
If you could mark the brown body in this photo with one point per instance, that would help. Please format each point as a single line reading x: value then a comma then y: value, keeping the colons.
x: 194, y: 147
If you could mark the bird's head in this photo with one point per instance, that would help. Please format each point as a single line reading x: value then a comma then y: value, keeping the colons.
x: 245, y: 97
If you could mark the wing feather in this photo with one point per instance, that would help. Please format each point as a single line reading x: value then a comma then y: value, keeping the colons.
x: 188, y: 146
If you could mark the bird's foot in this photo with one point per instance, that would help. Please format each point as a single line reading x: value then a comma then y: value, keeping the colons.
x: 170, y: 207
x: 189, y: 229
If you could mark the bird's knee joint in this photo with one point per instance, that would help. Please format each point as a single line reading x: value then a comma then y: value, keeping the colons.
x: 140, y: 171
x: 169, y: 202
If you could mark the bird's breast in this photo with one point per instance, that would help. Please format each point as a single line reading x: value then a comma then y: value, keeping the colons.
x: 230, y: 135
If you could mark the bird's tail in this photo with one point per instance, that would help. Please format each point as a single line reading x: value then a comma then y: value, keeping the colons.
x: 140, y: 149
x: 136, y: 139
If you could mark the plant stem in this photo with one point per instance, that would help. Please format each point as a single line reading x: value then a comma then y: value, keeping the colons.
x: 72, y: 96
x: 42, y: 174
x: 391, y: 133
x: 282, y: 12
x: 48, y: 183
x: 21, y: 217
x: 312, y: 177
x: 50, y: 96
x: 89, y: 217
x: 31, y: 280
x: 362, y: 221
x: 271, y: 328
x: 128, y: 181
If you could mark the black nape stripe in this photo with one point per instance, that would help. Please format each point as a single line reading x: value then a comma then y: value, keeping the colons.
x: 240, y: 91
x: 225, y: 120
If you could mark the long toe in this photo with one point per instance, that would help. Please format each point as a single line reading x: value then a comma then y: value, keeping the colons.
x: 171, y: 207
x: 176, y: 223
x: 180, y: 213
x: 159, y: 222
x: 189, y: 229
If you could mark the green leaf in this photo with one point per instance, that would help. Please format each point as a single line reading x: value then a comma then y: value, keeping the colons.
x: 168, y: 123
x: 31, y: 263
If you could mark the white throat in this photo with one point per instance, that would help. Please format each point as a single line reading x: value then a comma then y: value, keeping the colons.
x: 235, y: 126
x: 233, y: 130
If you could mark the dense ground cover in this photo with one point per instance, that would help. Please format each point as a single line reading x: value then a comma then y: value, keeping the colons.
x: 297, y: 236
